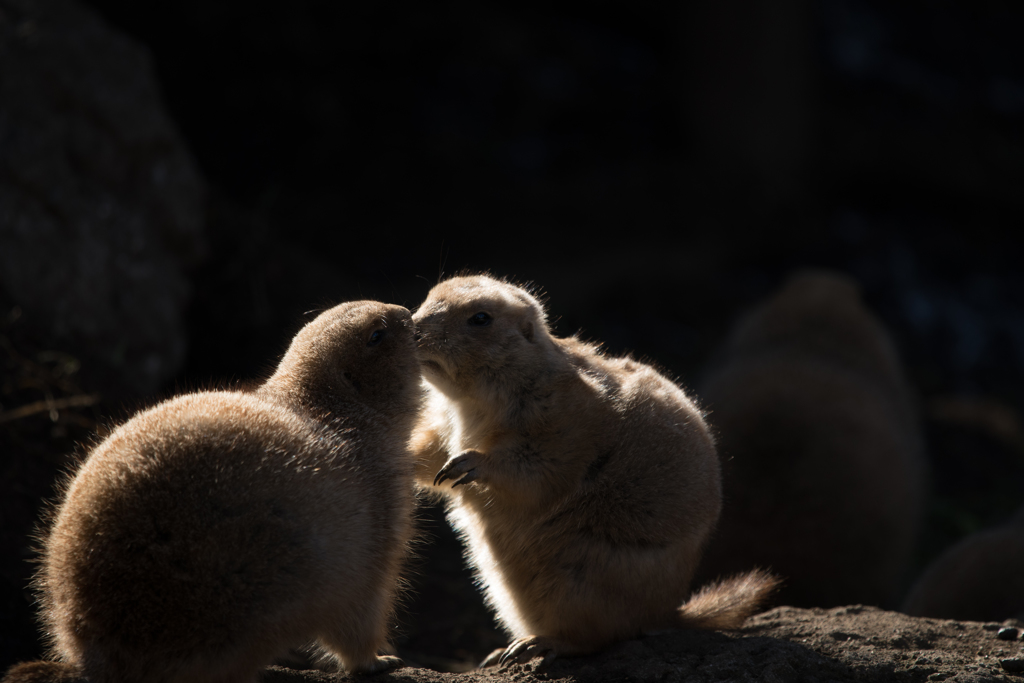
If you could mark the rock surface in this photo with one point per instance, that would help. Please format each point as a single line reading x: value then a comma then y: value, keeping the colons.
x: 785, y: 644
x: 101, y: 205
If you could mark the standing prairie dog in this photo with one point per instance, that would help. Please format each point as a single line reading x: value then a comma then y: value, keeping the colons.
x: 823, y: 466
x: 211, y: 532
x: 584, y: 486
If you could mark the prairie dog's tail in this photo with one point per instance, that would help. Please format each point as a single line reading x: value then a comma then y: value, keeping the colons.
x: 43, y: 672
x: 726, y: 603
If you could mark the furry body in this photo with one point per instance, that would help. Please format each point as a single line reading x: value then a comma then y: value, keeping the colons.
x: 211, y: 532
x: 585, y: 486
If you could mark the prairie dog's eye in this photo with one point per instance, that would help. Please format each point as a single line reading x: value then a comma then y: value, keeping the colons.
x: 375, y: 337
x: 481, y: 319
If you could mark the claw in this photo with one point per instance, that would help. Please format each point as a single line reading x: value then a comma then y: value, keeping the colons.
x: 447, y: 472
x: 470, y: 476
x: 510, y: 655
x: 443, y: 474
x: 492, y: 659
x: 461, y: 468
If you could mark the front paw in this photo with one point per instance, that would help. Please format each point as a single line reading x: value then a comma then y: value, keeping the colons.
x: 462, y: 469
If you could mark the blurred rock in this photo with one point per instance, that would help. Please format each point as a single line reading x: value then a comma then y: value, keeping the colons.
x: 979, y: 578
x: 101, y: 205
x: 823, y: 470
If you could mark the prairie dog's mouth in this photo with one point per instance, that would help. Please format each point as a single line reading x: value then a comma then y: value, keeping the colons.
x: 428, y: 357
x: 433, y: 369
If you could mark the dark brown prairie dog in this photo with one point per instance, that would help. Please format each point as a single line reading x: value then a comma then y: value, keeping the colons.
x: 823, y: 470
x: 981, y: 578
x: 209, y: 533
x: 585, y: 486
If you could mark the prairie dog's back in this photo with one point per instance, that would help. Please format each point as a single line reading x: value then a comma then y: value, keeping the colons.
x: 657, y: 464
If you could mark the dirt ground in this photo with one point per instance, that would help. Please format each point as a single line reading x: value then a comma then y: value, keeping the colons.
x: 785, y: 644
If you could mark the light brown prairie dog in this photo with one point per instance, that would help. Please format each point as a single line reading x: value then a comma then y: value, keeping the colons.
x: 211, y: 532
x: 823, y: 468
x: 584, y: 486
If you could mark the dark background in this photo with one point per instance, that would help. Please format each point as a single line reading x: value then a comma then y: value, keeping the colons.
x: 653, y: 170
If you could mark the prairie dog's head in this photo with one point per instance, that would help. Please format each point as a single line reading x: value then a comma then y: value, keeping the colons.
x: 361, y: 349
x: 476, y: 328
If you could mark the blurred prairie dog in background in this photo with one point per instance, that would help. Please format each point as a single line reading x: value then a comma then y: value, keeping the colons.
x: 981, y: 578
x: 824, y: 475
x: 584, y: 486
x: 213, y: 531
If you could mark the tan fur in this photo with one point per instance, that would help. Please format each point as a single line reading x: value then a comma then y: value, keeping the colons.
x: 823, y: 468
x: 585, y: 486
x: 981, y: 578
x: 211, y: 532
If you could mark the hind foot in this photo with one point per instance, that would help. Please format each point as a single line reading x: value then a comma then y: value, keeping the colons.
x: 522, y: 650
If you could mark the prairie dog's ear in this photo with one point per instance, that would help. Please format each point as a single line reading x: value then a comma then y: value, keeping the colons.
x: 527, y: 329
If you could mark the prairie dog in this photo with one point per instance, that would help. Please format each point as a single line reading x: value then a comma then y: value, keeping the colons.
x: 584, y: 486
x: 211, y: 532
x: 823, y: 467
x: 981, y: 578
